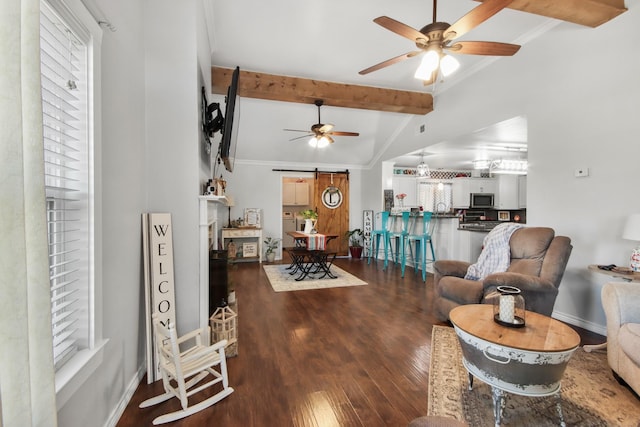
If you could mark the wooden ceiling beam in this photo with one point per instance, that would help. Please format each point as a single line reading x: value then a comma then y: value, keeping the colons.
x: 306, y: 91
x: 591, y: 13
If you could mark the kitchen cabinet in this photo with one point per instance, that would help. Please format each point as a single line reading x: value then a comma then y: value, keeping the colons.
x: 507, y: 196
x: 295, y: 194
x: 251, y: 236
x: 522, y: 191
x: 408, y: 186
x: 512, y: 192
x: 463, y: 187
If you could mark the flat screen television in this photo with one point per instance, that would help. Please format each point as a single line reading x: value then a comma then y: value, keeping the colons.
x: 229, y: 131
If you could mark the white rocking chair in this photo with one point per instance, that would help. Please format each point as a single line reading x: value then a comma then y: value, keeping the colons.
x: 196, y: 362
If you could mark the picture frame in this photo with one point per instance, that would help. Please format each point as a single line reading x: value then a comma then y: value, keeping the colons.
x: 252, y: 217
x: 249, y: 249
x: 504, y: 216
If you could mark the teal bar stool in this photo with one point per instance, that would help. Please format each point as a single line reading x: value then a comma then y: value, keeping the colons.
x: 380, y: 231
x: 398, y: 239
x: 421, y: 239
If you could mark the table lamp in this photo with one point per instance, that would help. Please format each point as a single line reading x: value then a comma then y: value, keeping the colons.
x: 230, y: 204
x: 632, y: 232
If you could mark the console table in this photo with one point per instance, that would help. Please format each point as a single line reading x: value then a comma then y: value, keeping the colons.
x: 240, y: 236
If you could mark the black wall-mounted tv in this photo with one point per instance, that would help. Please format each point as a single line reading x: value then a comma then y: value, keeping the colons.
x: 229, y: 131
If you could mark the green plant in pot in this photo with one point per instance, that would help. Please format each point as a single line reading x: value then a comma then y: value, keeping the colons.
x: 355, y: 242
x: 271, y: 244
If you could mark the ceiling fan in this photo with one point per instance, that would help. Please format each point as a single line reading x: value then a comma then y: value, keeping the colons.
x: 436, y: 38
x: 321, y: 134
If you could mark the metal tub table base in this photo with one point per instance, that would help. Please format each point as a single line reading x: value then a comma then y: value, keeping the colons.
x: 507, y: 369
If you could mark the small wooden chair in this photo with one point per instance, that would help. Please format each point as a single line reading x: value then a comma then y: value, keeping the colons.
x: 196, y: 362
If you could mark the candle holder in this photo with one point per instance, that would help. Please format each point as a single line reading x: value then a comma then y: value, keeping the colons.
x: 508, y: 307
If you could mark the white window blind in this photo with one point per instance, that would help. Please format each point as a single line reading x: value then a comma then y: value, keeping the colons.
x: 64, y: 104
x: 435, y: 196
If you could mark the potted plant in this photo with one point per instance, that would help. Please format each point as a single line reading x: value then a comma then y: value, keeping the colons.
x: 355, y: 242
x: 310, y: 216
x: 271, y: 244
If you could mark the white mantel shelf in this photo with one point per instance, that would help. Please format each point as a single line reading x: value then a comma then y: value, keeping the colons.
x: 219, y: 199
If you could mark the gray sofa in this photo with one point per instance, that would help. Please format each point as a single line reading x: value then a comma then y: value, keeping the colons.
x: 621, y: 303
x: 538, y: 261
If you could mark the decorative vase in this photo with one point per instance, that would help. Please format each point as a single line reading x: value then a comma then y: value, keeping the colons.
x: 271, y: 256
x: 308, y: 226
x: 356, y: 252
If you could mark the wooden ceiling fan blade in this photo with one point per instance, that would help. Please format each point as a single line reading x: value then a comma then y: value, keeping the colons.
x: 300, y: 137
x: 325, y: 128
x: 341, y: 133
x: 400, y: 28
x: 484, y: 48
x: 331, y: 141
x: 391, y: 61
x: 475, y: 17
x: 296, y: 130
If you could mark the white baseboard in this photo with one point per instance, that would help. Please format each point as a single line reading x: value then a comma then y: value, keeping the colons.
x: 126, y: 397
x: 581, y: 323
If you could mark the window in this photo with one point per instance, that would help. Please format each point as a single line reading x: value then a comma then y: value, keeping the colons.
x: 69, y: 52
x: 66, y: 160
x: 435, y: 196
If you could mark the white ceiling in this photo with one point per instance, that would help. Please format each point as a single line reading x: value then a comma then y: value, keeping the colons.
x: 332, y: 40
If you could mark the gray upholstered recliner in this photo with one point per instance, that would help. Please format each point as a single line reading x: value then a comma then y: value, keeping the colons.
x: 538, y: 261
x: 621, y: 303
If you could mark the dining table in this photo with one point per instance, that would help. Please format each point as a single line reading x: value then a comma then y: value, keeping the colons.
x: 309, y: 257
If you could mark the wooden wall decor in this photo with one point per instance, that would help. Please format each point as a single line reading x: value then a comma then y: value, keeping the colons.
x: 157, y: 241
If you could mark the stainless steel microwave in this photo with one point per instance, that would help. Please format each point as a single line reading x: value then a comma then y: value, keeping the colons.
x: 481, y: 200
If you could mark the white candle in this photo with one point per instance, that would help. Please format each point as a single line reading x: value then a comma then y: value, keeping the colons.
x: 507, y: 308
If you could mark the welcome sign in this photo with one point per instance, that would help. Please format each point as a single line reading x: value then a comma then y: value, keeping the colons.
x: 159, y: 280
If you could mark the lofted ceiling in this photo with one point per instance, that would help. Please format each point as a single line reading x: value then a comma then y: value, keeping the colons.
x: 316, y: 43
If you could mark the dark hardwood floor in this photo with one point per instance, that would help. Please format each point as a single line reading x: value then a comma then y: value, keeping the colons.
x: 356, y: 356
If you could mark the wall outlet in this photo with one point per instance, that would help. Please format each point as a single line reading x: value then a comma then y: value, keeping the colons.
x: 421, y: 128
x: 580, y: 172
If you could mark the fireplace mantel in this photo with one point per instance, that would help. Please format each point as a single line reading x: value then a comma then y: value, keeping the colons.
x: 210, y: 226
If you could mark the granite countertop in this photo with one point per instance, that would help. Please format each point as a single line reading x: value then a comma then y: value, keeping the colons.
x: 435, y: 215
x: 485, y: 226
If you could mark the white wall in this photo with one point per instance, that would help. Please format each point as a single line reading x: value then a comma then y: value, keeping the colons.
x: 579, y: 90
x: 151, y: 151
x: 173, y: 138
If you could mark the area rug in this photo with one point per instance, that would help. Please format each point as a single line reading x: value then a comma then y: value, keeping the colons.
x: 590, y: 394
x: 282, y: 281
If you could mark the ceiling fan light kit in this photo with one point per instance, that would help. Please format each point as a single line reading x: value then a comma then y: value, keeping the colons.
x: 321, y: 142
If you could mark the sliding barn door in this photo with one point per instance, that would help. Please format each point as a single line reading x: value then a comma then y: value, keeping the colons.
x: 331, y: 200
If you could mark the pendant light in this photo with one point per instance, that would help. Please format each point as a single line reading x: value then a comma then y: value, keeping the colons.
x: 423, y: 170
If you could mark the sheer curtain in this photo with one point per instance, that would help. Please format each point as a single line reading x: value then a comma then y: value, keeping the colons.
x: 27, y: 389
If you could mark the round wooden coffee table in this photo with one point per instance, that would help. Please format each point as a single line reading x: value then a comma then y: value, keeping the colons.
x: 529, y: 361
